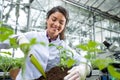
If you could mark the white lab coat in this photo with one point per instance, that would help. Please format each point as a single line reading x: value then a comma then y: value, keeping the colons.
x: 46, y: 55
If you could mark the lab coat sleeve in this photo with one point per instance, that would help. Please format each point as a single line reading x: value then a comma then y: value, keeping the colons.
x: 40, y: 52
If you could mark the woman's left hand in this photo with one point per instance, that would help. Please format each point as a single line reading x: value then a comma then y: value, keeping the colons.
x: 78, y: 72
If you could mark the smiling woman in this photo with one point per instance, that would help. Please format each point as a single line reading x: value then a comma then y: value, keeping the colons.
x: 57, y: 20
x: 49, y: 56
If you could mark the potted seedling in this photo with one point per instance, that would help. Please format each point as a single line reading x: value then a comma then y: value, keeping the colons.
x: 7, y: 63
x: 100, y: 63
x: 60, y: 70
x: 91, y: 48
x: 13, y: 64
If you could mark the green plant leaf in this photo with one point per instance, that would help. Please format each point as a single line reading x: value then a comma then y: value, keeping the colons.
x: 92, y: 44
x: 13, y: 43
x: 102, y: 63
x: 33, y: 41
x: 51, y: 44
x: 59, y: 47
x: 70, y: 62
x: 82, y: 46
x: 9, y: 53
x: 113, y: 72
x: 65, y: 59
x: 5, y: 33
x: 88, y: 56
x: 17, y: 62
x: 25, y: 48
x: 43, y: 43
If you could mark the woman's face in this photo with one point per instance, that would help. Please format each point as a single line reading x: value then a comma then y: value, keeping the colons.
x: 56, y: 23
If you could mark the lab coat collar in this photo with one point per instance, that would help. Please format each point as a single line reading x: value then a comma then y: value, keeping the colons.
x: 57, y: 39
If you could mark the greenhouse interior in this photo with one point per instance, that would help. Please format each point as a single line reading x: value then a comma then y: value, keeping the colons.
x: 93, y: 32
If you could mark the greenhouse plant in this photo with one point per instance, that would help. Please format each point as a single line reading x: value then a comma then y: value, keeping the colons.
x: 8, y: 63
x: 91, y: 47
x: 60, y: 70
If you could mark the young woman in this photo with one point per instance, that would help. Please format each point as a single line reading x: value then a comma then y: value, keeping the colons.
x: 56, y: 21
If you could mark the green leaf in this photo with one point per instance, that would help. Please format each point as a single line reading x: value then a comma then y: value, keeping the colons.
x: 113, y: 72
x: 102, y: 63
x: 13, y: 43
x: 33, y: 41
x: 25, y: 48
x: 70, y: 63
x: 59, y: 47
x: 65, y: 59
x: 88, y: 56
x: 5, y: 33
x: 82, y: 46
x: 51, y: 44
x: 43, y: 43
x: 91, y: 48
x: 9, y: 53
x: 92, y: 44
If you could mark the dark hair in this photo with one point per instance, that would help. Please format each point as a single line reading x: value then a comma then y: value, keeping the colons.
x: 64, y: 12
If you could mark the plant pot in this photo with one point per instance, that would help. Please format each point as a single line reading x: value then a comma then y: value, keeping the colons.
x: 14, y: 73
x: 56, y: 73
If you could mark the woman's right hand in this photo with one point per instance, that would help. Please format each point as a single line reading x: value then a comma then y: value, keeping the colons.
x: 22, y: 40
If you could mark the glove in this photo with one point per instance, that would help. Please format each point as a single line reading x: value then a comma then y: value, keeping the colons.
x: 78, y: 72
x: 24, y: 44
x: 22, y: 40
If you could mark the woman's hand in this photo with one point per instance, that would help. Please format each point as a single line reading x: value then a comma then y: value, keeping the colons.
x: 78, y: 72
x: 22, y: 40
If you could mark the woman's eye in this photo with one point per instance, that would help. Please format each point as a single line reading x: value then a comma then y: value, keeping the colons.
x: 53, y: 19
x: 61, y: 23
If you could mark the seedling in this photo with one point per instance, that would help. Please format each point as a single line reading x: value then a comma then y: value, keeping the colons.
x: 7, y: 63
x: 66, y: 57
x: 92, y: 50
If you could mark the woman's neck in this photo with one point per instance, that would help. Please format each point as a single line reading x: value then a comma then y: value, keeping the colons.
x: 51, y: 36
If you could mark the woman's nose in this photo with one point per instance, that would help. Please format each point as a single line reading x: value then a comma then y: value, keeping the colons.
x: 56, y: 23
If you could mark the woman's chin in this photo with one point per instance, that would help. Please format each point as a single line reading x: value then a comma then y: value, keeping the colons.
x: 53, y: 32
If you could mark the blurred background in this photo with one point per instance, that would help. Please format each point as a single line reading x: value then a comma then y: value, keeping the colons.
x: 97, y: 20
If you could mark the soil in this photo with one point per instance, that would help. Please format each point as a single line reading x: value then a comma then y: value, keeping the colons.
x: 56, y: 73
